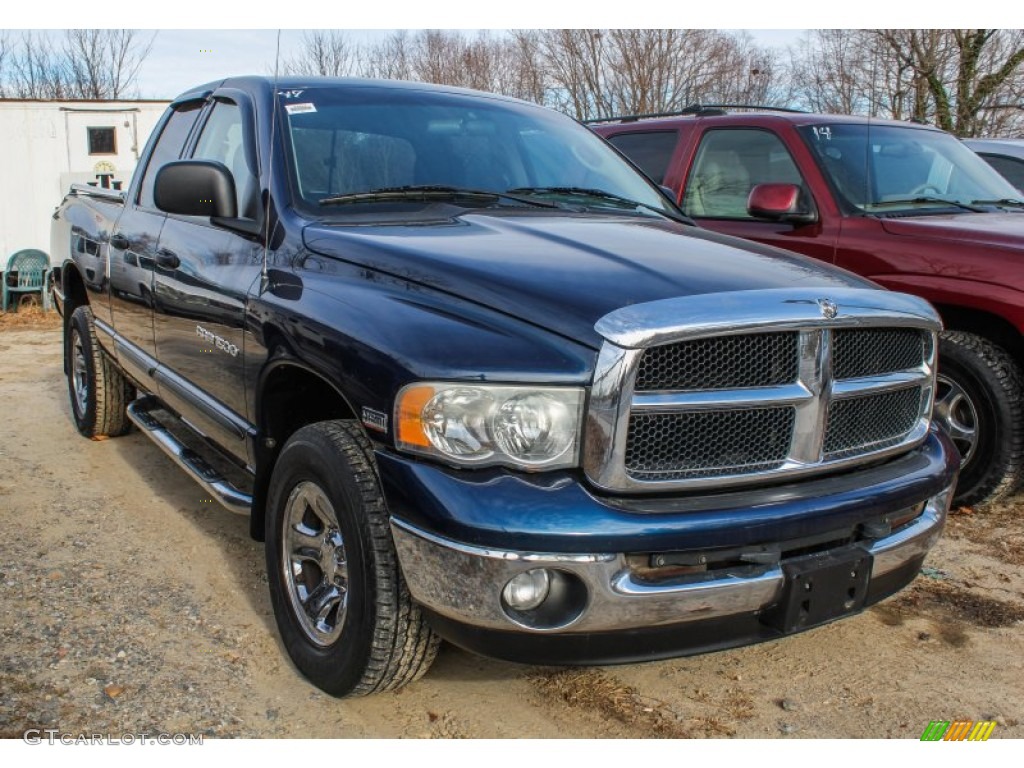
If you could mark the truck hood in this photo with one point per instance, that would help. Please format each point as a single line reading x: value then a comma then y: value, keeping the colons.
x: 564, y: 272
x: 996, y: 229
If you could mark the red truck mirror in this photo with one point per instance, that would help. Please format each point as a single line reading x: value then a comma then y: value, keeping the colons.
x: 195, y: 188
x: 778, y: 202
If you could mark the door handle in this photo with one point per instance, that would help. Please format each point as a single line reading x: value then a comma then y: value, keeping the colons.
x: 120, y: 242
x: 167, y: 259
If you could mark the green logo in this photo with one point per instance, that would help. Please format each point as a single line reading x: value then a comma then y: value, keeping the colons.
x: 958, y: 730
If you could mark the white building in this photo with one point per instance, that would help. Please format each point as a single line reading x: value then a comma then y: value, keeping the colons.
x: 47, y: 145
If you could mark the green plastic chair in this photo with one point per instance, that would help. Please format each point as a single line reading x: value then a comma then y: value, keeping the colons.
x: 32, y: 267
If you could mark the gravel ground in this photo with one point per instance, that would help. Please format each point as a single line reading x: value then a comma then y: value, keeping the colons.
x: 130, y: 603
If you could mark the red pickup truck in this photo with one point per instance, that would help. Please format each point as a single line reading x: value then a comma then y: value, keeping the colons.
x: 903, y: 204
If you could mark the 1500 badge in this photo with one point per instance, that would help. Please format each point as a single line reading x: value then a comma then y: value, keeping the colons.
x: 220, y: 343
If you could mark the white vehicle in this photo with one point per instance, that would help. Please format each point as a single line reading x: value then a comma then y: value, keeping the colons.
x: 1005, y: 155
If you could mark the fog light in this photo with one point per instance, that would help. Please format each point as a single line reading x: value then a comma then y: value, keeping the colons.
x: 526, y: 591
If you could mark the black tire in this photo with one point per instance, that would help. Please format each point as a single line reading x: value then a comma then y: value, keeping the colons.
x: 989, y: 381
x: 324, y: 499
x: 99, y: 392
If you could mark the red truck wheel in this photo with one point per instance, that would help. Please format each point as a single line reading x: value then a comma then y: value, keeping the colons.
x: 979, y: 404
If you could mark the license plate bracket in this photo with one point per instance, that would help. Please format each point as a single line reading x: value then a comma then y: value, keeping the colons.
x: 821, y: 587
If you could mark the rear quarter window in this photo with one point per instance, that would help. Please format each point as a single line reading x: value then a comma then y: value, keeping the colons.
x: 651, y: 150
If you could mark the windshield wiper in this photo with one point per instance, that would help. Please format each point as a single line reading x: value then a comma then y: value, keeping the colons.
x: 602, y: 195
x: 933, y: 200
x: 1006, y: 201
x: 427, y: 192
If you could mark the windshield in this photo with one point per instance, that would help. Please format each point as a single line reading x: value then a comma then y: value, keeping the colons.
x: 359, y: 139
x: 883, y: 168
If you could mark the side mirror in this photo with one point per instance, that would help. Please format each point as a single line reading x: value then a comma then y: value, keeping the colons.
x: 779, y: 202
x: 196, y: 188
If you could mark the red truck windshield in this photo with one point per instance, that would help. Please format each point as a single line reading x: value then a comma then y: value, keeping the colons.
x: 884, y: 168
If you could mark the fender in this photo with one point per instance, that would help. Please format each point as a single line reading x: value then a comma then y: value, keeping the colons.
x: 987, y: 297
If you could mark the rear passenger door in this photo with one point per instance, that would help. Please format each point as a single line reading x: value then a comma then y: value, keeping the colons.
x: 133, y: 246
x: 201, y: 284
x: 727, y: 165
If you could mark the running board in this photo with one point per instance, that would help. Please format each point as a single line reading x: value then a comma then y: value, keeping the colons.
x: 139, y: 411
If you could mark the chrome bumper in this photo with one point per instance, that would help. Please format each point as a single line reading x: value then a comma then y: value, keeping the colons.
x: 464, y: 583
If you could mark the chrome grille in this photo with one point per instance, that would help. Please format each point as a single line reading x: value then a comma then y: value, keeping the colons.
x: 871, y: 422
x: 723, y: 390
x: 727, y: 362
x: 671, y: 446
x: 877, y: 350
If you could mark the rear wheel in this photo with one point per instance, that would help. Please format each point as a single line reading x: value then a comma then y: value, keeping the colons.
x: 99, y: 392
x: 979, y: 403
x: 342, y: 607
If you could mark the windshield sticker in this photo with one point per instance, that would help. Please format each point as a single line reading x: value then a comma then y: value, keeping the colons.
x: 299, y: 109
x: 822, y: 132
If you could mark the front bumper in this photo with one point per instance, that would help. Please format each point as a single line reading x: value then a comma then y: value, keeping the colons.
x: 464, y: 583
x: 620, y: 609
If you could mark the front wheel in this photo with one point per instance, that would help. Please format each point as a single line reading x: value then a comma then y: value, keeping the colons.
x: 979, y: 403
x: 342, y: 607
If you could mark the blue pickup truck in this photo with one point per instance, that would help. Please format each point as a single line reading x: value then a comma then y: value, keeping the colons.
x: 474, y: 377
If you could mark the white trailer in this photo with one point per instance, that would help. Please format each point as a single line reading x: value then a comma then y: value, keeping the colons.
x: 47, y: 145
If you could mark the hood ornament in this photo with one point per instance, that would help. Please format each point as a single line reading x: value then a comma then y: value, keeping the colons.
x: 829, y: 309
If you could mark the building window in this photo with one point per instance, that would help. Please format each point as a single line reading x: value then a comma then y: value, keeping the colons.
x: 101, y: 141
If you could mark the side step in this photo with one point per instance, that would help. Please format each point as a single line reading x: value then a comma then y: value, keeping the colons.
x: 140, y: 412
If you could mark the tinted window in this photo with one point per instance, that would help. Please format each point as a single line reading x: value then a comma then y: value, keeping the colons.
x: 355, y: 140
x: 1010, y: 168
x: 889, y: 168
x: 331, y: 161
x: 168, y: 147
x: 652, y: 151
x: 729, y: 164
x: 222, y: 140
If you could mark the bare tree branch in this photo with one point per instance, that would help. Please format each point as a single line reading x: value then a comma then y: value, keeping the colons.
x: 327, y: 53
x: 103, y: 63
x: 962, y: 80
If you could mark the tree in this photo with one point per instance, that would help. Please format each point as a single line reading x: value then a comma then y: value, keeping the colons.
x: 88, y: 64
x: 35, y: 70
x: 522, y: 73
x: 5, y: 47
x: 969, y: 82
x: 597, y: 73
x: 964, y: 72
x: 389, y: 59
x: 327, y: 53
x: 103, y: 63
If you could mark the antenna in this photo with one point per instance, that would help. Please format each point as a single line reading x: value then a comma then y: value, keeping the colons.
x: 264, y: 276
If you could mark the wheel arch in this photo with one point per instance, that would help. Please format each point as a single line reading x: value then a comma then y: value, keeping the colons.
x: 988, y: 325
x: 75, y: 296
x: 290, y: 394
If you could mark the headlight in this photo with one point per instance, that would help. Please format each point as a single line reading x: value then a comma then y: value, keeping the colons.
x: 483, y: 425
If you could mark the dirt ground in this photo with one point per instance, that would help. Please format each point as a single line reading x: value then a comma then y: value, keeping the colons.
x: 128, y: 603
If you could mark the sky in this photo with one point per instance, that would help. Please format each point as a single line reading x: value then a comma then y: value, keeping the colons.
x: 183, y: 58
x: 244, y: 42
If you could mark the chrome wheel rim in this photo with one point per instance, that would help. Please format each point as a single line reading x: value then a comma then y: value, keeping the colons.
x: 79, y: 374
x: 314, y: 563
x: 955, y: 411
